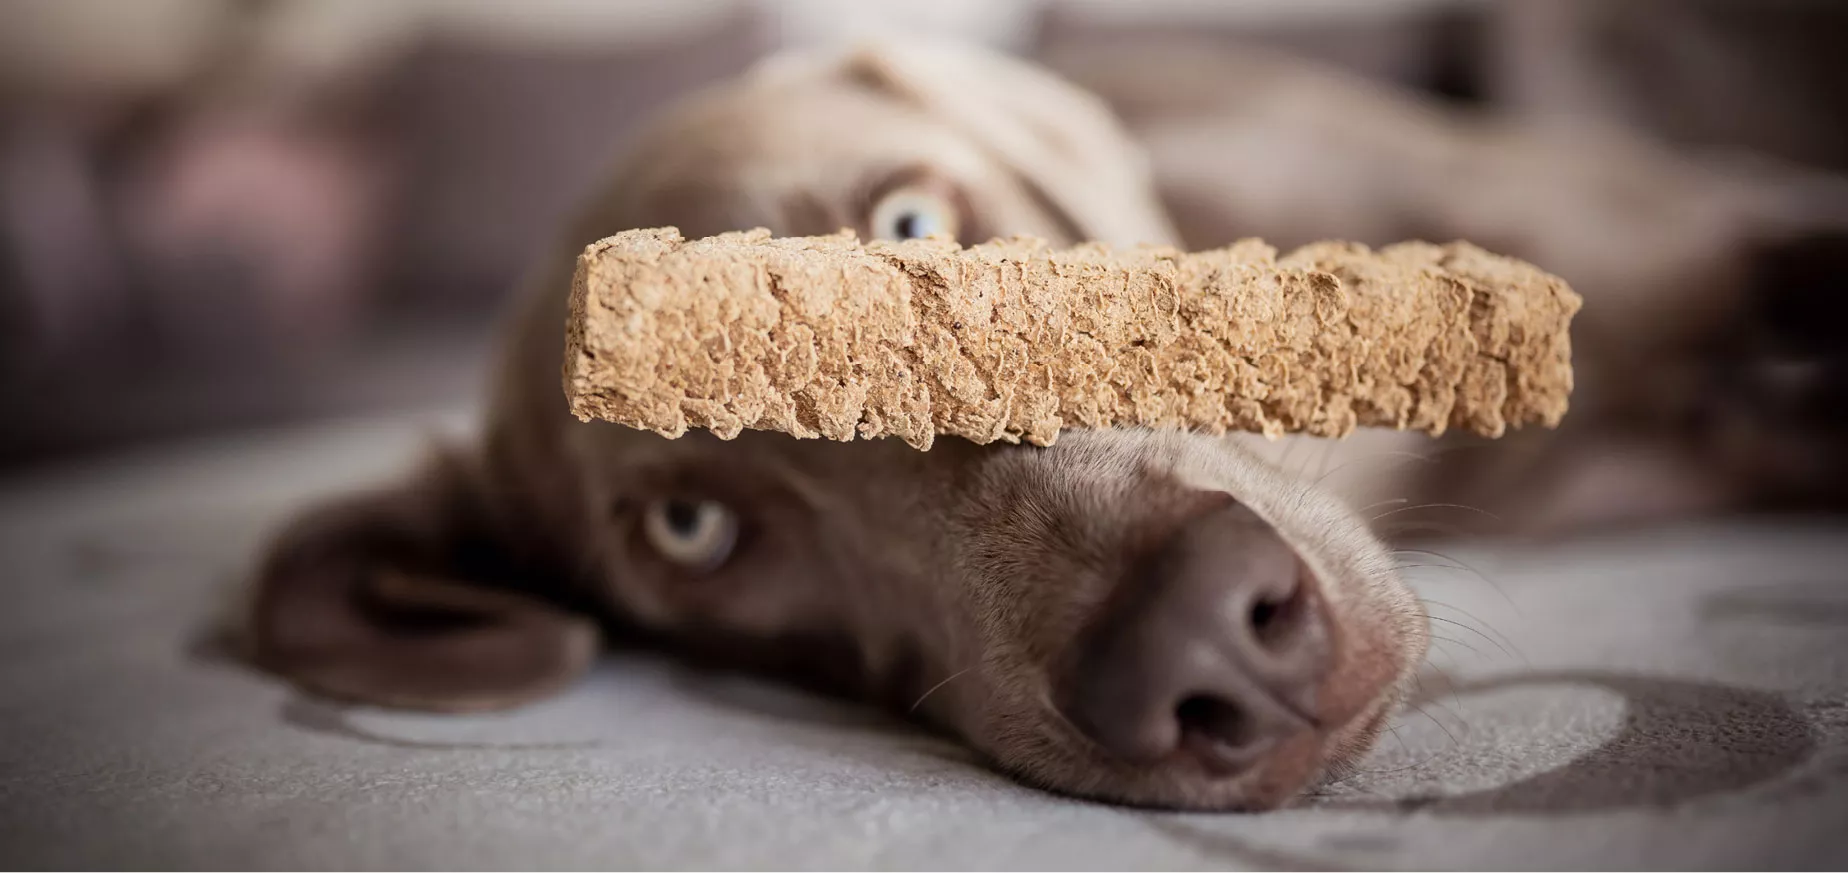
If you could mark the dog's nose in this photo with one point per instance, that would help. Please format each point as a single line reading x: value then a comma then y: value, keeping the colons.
x: 1213, y: 652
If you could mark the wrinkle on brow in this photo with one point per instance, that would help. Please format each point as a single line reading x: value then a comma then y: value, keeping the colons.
x: 804, y: 213
x: 815, y: 494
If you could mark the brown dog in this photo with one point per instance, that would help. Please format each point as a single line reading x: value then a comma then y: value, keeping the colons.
x: 1149, y: 618
x: 1162, y: 619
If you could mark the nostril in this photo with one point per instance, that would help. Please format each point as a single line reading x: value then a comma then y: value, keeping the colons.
x: 1220, y: 731
x: 1212, y: 717
x: 1275, y: 618
x: 1261, y: 614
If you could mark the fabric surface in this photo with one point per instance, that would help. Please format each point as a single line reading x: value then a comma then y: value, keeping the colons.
x: 1671, y: 700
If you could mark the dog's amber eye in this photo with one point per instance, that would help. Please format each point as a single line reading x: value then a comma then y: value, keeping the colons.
x: 913, y: 213
x: 696, y: 534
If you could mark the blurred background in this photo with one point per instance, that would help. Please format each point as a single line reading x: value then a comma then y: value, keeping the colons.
x: 231, y: 214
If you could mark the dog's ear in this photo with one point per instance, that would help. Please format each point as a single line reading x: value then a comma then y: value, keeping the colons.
x: 1061, y: 140
x: 397, y: 599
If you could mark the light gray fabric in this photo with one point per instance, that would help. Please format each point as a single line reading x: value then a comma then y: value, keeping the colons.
x: 1670, y: 700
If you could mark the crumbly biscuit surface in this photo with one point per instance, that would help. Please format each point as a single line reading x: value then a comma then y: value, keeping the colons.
x: 1014, y: 340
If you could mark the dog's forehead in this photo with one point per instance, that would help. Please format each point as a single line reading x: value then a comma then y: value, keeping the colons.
x: 881, y: 468
x: 1087, y: 482
x: 764, y: 134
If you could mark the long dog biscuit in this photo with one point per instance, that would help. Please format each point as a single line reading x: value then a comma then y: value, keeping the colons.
x: 1011, y: 340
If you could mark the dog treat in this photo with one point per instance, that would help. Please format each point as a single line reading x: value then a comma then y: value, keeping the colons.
x: 1012, y: 339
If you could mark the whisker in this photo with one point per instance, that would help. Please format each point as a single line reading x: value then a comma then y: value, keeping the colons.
x: 1328, y: 454
x: 1289, y: 451
x: 1304, y: 490
x: 1372, y: 456
x: 1428, y: 602
x: 1427, y: 566
x: 1441, y: 528
x: 1345, y: 781
x: 1418, y: 683
x: 1436, y: 506
x: 1461, y: 565
x: 1478, y: 652
x: 1415, y: 765
x: 1450, y: 711
x: 1454, y: 742
x: 1504, y: 649
x: 1372, y: 506
x: 1396, y: 735
x: 1424, y: 701
x: 933, y: 689
x: 1427, y: 761
x: 1477, y: 619
x: 1449, y: 681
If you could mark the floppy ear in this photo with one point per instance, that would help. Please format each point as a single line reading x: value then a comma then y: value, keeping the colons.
x: 397, y: 599
x: 1061, y: 140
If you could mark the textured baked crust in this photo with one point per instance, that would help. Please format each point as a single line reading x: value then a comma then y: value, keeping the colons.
x: 1011, y: 340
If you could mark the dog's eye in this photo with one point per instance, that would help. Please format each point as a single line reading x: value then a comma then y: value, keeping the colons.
x: 696, y: 534
x: 913, y: 213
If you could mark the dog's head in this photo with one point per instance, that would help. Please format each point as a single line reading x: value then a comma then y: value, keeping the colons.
x: 1153, y: 618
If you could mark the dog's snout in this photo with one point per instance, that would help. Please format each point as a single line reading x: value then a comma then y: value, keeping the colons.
x: 1212, y: 655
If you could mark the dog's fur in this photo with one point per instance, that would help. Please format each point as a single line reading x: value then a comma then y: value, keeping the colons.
x: 950, y: 584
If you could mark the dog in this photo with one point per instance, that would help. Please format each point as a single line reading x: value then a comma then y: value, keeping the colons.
x: 1145, y: 618
x: 1162, y: 619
